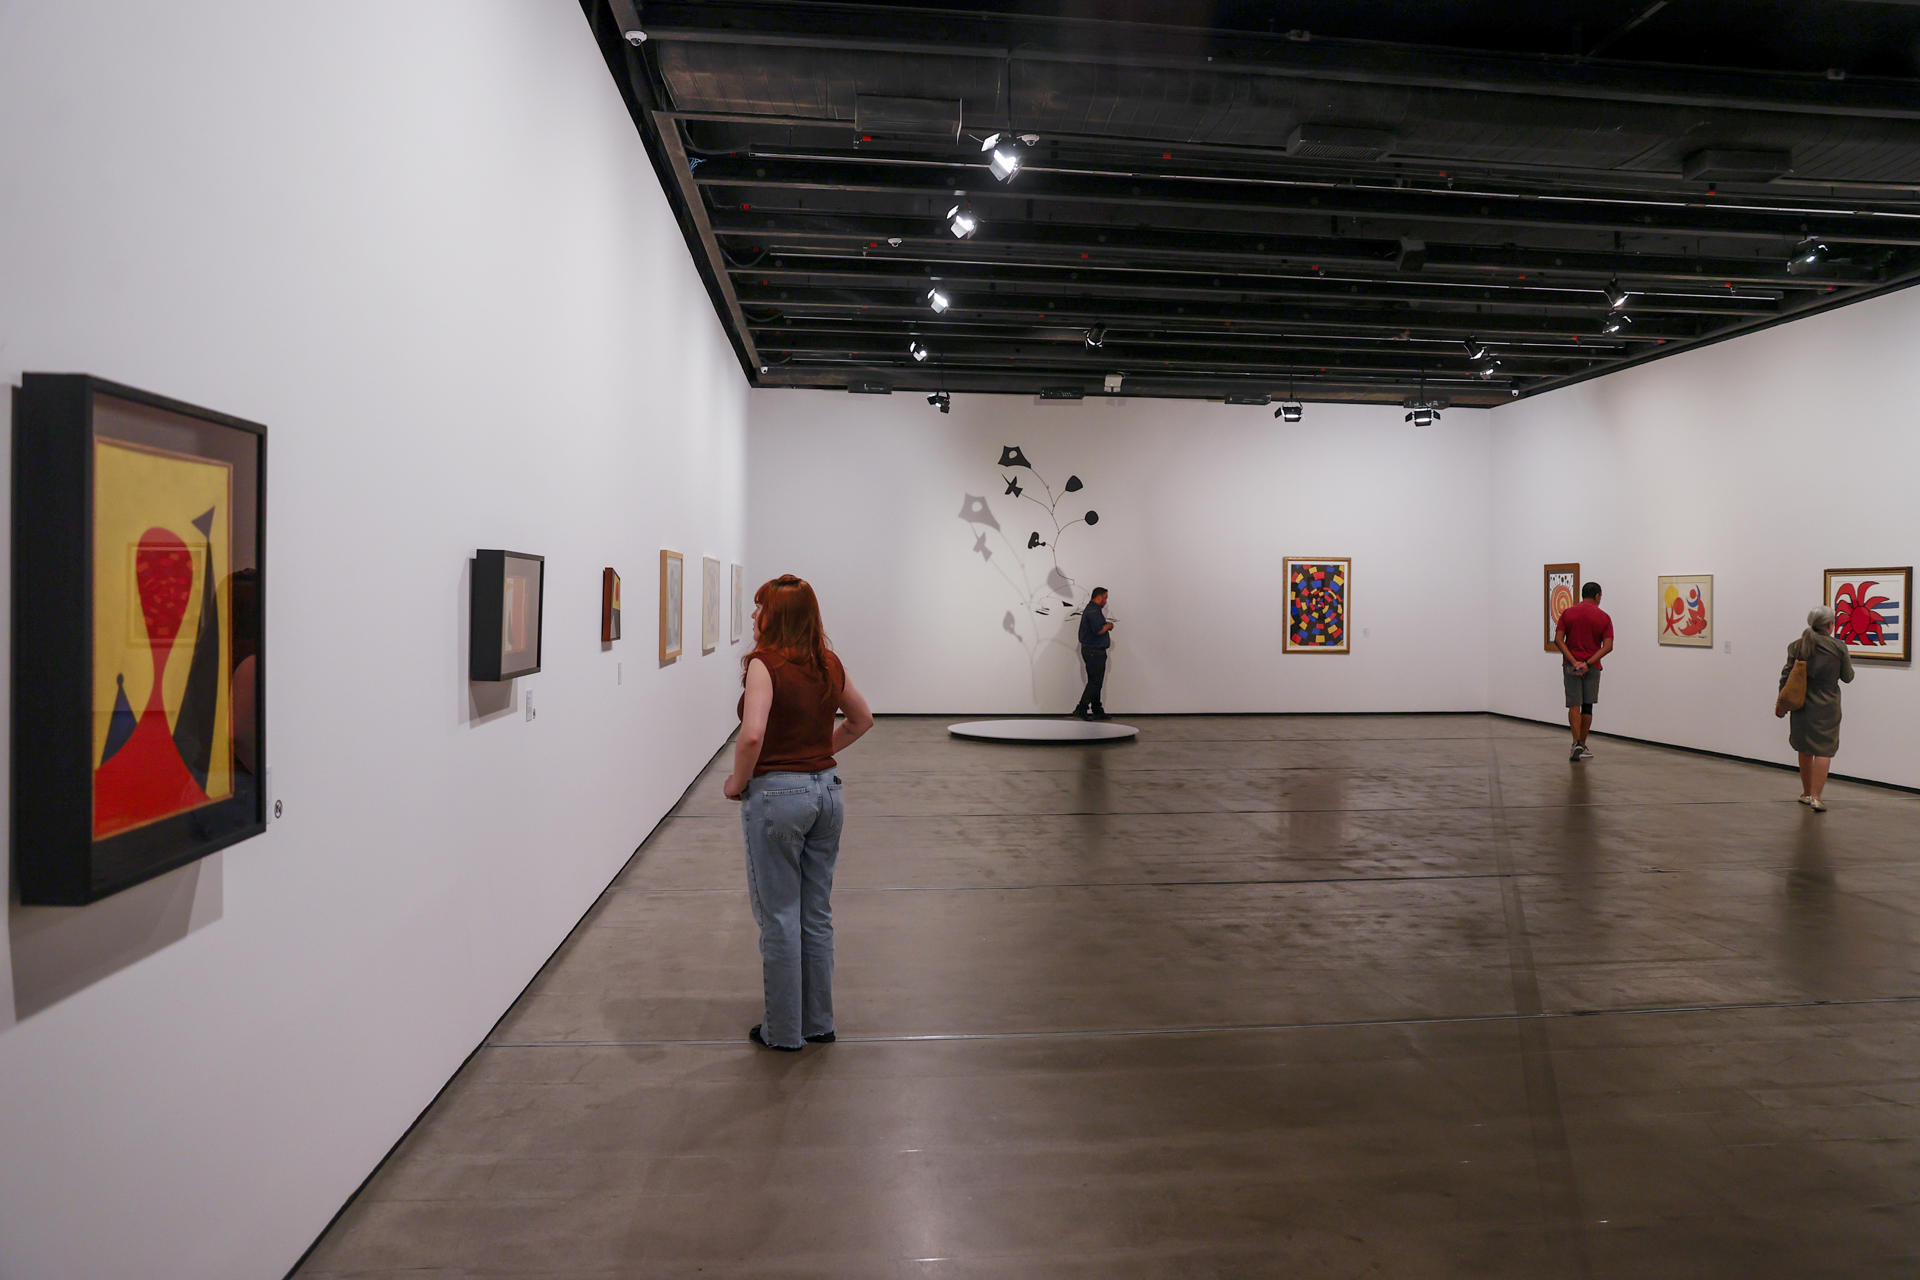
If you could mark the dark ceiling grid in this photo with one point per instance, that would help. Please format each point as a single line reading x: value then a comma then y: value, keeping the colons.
x: 1252, y: 198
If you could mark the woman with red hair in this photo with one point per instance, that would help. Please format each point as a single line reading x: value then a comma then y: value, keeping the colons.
x: 789, y: 785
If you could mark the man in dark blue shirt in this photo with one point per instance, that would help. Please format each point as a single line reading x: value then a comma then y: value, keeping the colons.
x: 1094, y: 643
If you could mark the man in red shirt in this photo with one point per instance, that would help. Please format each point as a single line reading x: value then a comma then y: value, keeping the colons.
x: 1584, y: 636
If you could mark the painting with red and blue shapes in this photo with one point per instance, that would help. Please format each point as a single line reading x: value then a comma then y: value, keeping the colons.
x: 1319, y: 599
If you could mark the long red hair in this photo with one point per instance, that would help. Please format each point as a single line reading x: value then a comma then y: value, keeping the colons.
x: 789, y: 625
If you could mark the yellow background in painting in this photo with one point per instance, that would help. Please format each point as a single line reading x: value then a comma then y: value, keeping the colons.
x: 136, y: 489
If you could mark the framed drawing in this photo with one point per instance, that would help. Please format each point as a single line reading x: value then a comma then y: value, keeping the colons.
x: 738, y: 626
x: 672, y: 572
x: 506, y: 607
x: 1686, y: 610
x: 709, y: 604
x: 1319, y: 600
x: 139, y: 656
x: 1561, y: 592
x: 1870, y: 611
x: 609, y: 606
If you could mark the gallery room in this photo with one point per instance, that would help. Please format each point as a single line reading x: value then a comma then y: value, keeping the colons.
x: 742, y: 638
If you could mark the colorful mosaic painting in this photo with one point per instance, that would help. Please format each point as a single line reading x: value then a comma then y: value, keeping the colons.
x: 1319, y: 600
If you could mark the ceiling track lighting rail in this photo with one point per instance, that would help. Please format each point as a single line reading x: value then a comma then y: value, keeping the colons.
x: 868, y: 176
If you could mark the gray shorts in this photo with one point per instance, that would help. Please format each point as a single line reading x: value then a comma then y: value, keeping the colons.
x: 1582, y: 690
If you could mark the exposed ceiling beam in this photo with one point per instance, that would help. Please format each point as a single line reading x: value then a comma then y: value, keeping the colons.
x: 1120, y: 45
x: 1282, y: 198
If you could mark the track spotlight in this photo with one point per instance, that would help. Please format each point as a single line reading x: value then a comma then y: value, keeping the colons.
x: 1096, y: 336
x: 1489, y: 369
x: 941, y: 401
x: 1617, y: 321
x: 1809, y: 255
x: 961, y: 221
x: 1005, y: 161
x: 1476, y: 349
x: 918, y: 350
x: 1616, y: 296
x: 938, y: 300
x: 1423, y: 415
x: 1290, y: 409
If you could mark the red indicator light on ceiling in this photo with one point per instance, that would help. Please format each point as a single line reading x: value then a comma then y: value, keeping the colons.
x: 866, y: 137
x: 746, y: 208
x: 1523, y: 277
x: 1166, y: 155
x: 1661, y: 341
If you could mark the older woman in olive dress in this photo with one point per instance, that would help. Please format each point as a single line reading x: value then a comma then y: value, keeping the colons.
x: 1814, y: 730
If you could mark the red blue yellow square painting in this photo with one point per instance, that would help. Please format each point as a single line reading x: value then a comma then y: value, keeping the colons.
x: 1319, y: 599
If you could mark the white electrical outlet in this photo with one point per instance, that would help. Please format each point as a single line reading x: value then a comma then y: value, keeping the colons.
x: 530, y: 710
x: 1729, y: 645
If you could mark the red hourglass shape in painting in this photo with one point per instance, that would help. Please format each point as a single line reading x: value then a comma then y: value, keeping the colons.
x: 145, y: 779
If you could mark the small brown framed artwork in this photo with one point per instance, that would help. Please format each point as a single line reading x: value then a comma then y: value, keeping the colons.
x: 1559, y: 592
x: 672, y: 581
x: 609, y: 606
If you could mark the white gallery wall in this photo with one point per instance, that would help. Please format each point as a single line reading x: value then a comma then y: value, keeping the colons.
x: 1763, y: 461
x: 423, y: 244
x: 1199, y: 503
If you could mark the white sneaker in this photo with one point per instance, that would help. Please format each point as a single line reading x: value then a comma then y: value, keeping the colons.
x: 1582, y: 753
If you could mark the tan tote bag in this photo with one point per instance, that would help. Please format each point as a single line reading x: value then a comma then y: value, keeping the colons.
x: 1793, y: 694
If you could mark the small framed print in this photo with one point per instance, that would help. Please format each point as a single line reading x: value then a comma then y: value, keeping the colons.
x: 672, y: 590
x: 709, y: 604
x: 507, y: 608
x: 609, y: 606
x: 139, y: 654
x: 1560, y: 593
x: 738, y: 625
x: 1870, y: 611
x: 1686, y: 611
x: 1319, y: 601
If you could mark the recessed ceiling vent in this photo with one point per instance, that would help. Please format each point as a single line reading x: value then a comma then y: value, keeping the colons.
x: 1338, y: 142
x: 879, y: 117
x: 1718, y: 164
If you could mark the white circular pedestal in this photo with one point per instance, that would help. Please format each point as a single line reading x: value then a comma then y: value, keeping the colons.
x: 1043, y: 731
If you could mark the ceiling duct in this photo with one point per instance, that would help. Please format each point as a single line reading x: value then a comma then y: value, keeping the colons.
x: 1717, y: 164
x: 878, y: 117
x: 1338, y: 142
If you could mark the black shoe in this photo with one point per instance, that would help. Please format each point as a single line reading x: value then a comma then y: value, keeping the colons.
x: 1078, y: 713
x: 1099, y: 715
x: 825, y: 1037
x: 753, y: 1034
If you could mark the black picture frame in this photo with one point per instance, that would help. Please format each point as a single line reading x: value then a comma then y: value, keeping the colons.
x: 491, y: 654
x: 68, y: 851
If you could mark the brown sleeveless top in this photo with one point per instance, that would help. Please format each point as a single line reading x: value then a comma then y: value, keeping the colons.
x: 800, y: 723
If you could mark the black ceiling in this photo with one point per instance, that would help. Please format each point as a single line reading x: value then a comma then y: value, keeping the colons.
x: 1331, y: 199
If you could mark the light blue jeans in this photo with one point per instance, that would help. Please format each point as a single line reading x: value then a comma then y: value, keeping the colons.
x: 792, y: 824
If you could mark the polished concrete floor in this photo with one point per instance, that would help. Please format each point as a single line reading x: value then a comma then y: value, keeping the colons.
x: 1394, y: 996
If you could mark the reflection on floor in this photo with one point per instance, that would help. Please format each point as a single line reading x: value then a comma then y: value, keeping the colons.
x: 1399, y: 996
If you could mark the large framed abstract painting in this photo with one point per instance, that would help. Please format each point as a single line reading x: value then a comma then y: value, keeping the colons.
x: 1686, y: 610
x: 709, y: 604
x: 737, y: 626
x: 672, y: 589
x: 139, y: 656
x: 609, y: 606
x: 1870, y: 611
x: 1319, y: 600
x: 506, y: 612
x: 1561, y: 591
